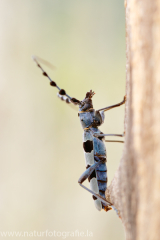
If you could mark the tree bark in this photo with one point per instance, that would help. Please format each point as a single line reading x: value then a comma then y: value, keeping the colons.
x: 135, y: 189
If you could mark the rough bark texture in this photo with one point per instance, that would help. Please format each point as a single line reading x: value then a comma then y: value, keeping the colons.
x: 135, y: 189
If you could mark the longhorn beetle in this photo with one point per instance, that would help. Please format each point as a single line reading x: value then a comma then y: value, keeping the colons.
x: 93, y: 143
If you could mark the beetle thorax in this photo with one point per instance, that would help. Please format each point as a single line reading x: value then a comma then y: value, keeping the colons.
x: 86, y: 119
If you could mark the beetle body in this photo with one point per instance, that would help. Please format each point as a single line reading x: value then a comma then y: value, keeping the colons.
x: 94, y: 148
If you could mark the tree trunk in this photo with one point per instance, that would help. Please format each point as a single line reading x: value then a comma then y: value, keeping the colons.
x: 135, y: 189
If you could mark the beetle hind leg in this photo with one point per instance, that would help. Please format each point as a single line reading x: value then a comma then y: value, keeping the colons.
x: 87, y: 174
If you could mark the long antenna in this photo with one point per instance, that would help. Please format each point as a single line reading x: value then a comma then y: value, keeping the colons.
x: 62, y: 92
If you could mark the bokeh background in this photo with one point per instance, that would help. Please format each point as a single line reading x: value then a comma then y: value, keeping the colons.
x: 41, y: 150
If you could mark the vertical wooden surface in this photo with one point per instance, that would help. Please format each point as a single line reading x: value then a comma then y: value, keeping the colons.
x: 135, y: 189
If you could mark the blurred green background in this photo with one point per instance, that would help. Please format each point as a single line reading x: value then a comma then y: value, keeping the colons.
x: 41, y: 137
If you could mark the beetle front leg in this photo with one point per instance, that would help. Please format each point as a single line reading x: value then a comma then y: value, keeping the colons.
x: 113, y: 106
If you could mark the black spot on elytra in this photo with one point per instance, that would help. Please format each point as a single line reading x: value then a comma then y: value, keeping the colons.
x: 62, y: 92
x: 94, y: 198
x: 67, y: 100
x: 93, y: 175
x: 88, y: 146
x: 88, y: 166
x: 53, y: 84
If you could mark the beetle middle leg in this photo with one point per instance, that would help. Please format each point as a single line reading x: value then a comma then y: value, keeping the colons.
x: 113, y: 106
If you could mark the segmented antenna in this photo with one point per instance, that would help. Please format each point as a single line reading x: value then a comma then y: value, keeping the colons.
x: 64, y: 98
x: 62, y: 93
